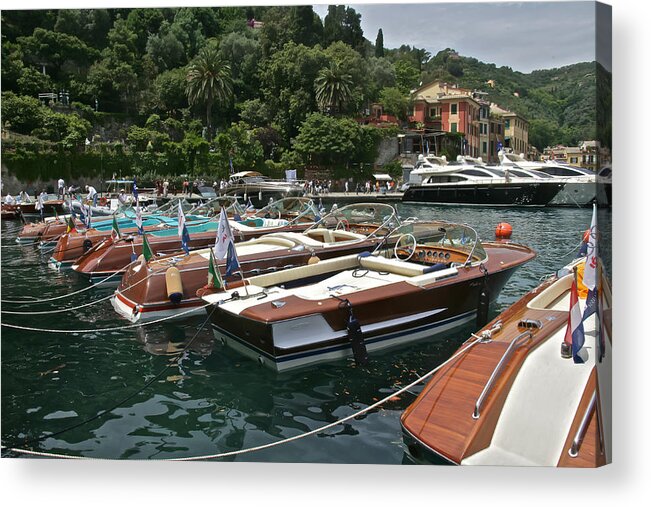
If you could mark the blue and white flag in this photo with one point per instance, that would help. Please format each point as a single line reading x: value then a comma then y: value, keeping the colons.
x: 224, y: 236
x: 574, y: 334
x: 139, y: 219
x: 185, y: 240
x: 232, y: 263
x: 135, y: 189
x: 181, y: 220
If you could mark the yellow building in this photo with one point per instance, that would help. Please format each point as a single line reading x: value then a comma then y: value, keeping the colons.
x: 516, y: 130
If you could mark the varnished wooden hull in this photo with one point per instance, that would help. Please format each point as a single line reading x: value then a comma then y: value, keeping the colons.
x: 139, y: 299
x: 439, y: 426
x: 389, y: 316
x: 109, y: 257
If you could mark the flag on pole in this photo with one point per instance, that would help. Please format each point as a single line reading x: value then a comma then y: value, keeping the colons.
x: 181, y: 220
x: 115, y: 229
x: 574, y: 335
x: 232, y: 263
x: 71, y: 225
x: 590, y: 271
x: 185, y: 240
x: 214, y: 276
x: 224, y: 236
x: 89, y: 217
x: 146, y: 248
x: 135, y: 190
x: 139, y: 219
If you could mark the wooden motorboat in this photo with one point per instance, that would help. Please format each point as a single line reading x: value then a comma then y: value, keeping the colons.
x: 52, y: 205
x: 510, y: 398
x: 431, y: 277
x: 144, y: 292
x: 114, y: 255
x: 48, y: 231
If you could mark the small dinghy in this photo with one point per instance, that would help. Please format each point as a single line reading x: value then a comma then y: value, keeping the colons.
x: 428, y: 278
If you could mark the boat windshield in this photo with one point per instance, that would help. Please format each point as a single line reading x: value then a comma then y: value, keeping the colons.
x: 368, y: 219
x: 213, y: 207
x: 292, y: 209
x: 459, y: 240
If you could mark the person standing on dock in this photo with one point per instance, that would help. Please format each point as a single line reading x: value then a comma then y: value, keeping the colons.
x: 346, y: 188
x: 166, y: 187
x: 92, y: 194
x: 61, y: 185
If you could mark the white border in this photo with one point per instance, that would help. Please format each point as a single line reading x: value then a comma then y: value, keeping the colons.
x: 625, y: 482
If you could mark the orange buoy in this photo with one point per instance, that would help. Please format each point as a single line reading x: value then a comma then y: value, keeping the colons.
x: 503, y: 230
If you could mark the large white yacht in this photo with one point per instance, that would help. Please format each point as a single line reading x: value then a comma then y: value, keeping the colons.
x: 580, y: 187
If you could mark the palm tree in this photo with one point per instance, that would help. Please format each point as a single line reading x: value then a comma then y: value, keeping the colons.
x: 209, y: 80
x: 333, y: 88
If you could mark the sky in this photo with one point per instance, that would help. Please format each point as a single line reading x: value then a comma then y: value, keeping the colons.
x: 522, y: 35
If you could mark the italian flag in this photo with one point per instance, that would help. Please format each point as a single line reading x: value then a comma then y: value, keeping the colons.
x: 115, y: 230
x: 146, y: 249
x: 71, y: 225
x: 214, y: 277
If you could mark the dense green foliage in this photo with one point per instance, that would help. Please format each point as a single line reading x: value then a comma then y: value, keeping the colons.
x: 183, y: 90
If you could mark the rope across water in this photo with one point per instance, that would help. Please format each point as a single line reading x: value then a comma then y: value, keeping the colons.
x: 289, y: 439
x: 117, y: 328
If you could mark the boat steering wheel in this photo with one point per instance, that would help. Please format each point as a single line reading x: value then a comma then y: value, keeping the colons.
x: 409, y: 245
x: 342, y: 225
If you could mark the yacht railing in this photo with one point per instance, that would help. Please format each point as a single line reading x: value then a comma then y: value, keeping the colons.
x: 518, y: 341
x: 583, y: 427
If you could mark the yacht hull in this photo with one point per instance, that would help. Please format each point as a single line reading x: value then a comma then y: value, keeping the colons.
x: 512, y: 194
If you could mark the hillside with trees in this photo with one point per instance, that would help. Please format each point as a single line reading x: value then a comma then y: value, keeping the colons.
x: 185, y: 90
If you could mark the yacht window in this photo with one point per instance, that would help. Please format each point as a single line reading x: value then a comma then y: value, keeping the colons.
x: 496, y: 172
x: 520, y: 174
x: 476, y: 172
x: 444, y: 179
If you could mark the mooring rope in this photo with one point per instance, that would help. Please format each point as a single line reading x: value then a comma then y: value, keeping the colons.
x: 289, y: 439
x: 61, y: 310
x: 39, y: 301
x: 117, y: 328
x: 173, y: 362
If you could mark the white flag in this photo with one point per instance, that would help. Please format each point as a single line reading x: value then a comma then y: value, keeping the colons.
x: 181, y: 220
x: 224, y: 236
x: 590, y: 272
x: 138, y: 217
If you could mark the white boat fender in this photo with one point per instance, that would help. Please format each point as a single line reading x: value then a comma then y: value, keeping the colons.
x: 484, y: 299
x: 174, y: 285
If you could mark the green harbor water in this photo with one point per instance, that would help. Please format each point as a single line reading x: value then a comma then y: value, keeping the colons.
x: 214, y: 400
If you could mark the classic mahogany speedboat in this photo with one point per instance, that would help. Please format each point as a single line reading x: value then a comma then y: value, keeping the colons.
x: 52, y: 205
x: 70, y: 246
x: 511, y: 398
x: 48, y: 231
x: 112, y: 256
x: 145, y: 292
x: 430, y: 277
